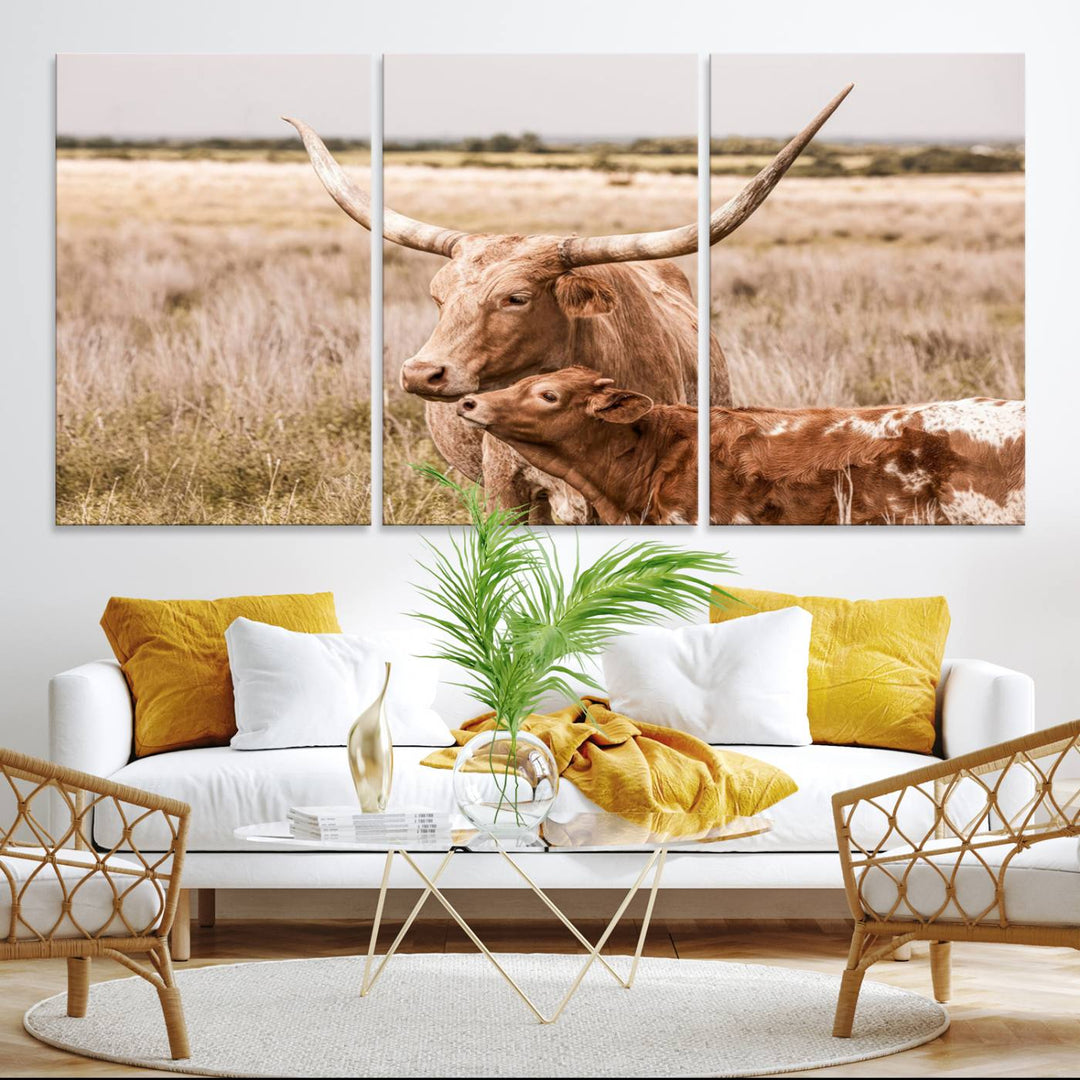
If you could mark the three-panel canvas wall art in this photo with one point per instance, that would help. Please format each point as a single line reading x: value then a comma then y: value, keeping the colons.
x: 217, y: 359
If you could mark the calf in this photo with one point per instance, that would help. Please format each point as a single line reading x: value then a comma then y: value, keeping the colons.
x: 949, y: 462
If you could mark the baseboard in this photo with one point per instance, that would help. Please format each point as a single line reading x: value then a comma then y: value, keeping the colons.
x: 521, y: 904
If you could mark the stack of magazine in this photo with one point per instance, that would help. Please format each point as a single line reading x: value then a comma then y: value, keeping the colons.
x: 408, y: 827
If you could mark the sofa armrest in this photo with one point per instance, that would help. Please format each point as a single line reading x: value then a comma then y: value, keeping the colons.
x: 983, y: 704
x: 91, y: 718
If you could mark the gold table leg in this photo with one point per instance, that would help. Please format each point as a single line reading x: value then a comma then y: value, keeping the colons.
x: 648, y: 916
x: 654, y: 862
x: 367, y: 983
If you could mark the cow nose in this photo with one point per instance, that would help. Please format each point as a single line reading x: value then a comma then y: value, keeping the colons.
x: 421, y: 375
x: 471, y: 409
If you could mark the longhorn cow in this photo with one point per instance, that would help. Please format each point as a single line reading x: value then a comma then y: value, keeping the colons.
x: 512, y: 306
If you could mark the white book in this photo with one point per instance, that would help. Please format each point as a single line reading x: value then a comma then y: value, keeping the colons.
x: 427, y: 836
x: 355, y: 812
x: 390, y: 833
x: 442, y: 821
x: 352, y: 816
x: 434, y: 840
x: 347, y: 831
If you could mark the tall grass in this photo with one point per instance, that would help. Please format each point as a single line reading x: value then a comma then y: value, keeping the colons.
x: 872, y: 292
x: 212, y: 347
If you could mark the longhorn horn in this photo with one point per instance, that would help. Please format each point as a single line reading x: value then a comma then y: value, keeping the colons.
x: 591, y: 250
x: 356, y: 202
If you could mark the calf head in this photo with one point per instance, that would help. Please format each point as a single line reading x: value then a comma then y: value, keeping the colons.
x: 570, y: 408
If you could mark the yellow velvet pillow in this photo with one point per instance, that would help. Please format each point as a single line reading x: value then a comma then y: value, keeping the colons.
x: 174, y: 657
x: 874, y: 665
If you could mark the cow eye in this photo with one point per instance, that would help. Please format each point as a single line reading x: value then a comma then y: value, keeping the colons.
x: 547, y: 395
x: 517, y: 300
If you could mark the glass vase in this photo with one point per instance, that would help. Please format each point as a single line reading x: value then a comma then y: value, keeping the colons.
x: 371, y: 754
x: 505, y: 784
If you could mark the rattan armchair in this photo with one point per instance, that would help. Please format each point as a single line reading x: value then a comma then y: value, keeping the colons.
x: 977, y: 848
x: 59, y: 897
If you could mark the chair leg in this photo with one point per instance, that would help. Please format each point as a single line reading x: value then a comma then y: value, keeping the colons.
x: 207, y: 907
x: 172, y: 1008
x: 173, y: 1011
x: 78, y: 972
x: 850, y: 985
x: 181, y: 928
x: 902, y: 952
x: 941, y: 969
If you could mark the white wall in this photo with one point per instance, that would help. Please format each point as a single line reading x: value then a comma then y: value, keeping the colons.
x: 1013, y: 592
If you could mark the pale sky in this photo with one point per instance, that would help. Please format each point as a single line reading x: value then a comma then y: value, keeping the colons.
x: 923, y: 96
x: 574, y: 95
x: 193, y: 96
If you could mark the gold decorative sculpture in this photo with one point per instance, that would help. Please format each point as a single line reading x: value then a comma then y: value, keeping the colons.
x: 371, y: 754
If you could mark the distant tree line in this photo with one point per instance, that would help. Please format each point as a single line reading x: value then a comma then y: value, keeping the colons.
x: 528, y: 142
x: 945, y: 159
x: 820, y: 159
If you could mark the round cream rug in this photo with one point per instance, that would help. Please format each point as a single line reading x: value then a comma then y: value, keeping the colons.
x: 452, y: 1015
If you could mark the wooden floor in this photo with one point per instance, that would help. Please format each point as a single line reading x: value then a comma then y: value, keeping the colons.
x: 1015, y: 1009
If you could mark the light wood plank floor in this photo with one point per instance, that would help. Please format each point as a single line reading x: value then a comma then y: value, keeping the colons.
x: 1015, y: 1010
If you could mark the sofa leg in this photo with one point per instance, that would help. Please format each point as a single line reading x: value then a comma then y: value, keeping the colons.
x: 850, y: 985
x: 902, y: 952
x: 941, y: 969
x: 207, y: 907
x: 78, y: 972
x: 180, y: 939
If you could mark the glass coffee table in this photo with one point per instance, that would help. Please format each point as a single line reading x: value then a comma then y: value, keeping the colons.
x: 652, y: 835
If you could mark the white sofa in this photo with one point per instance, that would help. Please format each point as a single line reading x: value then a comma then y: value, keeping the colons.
x: 91, y: 729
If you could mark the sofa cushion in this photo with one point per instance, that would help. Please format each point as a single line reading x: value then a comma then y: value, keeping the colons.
x: 804, y: 821
x: 297, y: 689
x: 874, y: 664
x: 1041, y: 885
x: 737, y: 682
x: 227, y: 788
x: 174, y: 658
x: 92, y: 912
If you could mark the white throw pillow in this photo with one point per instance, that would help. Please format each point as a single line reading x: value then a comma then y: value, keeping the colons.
x: 743, y: 681
x: 297, y: 689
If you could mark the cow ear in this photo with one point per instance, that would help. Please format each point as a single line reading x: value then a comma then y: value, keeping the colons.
x: 581, y: 296
x: 618, y: 406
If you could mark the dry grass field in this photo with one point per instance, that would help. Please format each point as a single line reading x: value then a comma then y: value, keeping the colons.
x: 213, y: 324
x: 872, y: 291
x: 862, y: 290
x: 212, y: 346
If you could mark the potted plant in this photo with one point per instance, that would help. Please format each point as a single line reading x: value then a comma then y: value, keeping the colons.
x: 517, y: 626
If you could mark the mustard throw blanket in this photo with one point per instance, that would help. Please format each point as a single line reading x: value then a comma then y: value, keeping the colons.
x: 638, y: 770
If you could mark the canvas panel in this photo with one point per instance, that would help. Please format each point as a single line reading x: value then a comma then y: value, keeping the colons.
x: 213, y: 312
x: 884, y: 272
x: 526, y: 151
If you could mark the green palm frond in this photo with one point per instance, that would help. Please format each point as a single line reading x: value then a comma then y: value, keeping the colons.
x: 513, y: 621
